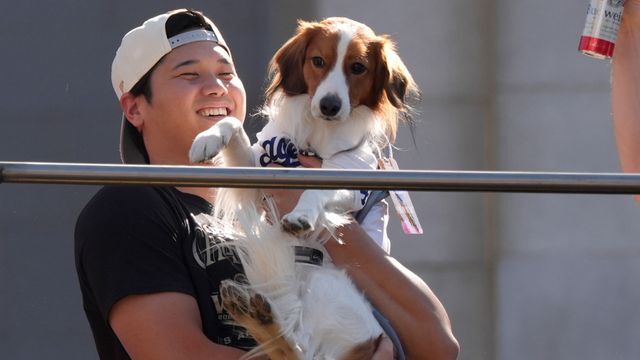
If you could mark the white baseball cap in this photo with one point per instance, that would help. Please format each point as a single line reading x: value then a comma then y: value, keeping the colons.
x: 140, y: 50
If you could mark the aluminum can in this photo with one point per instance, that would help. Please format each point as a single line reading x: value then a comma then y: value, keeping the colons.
x: 601, y: 28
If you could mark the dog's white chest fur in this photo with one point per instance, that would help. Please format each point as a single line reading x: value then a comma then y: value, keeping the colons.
x: 325, y: 137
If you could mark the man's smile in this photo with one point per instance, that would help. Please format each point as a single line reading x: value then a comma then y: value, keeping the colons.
x: 214, y: 111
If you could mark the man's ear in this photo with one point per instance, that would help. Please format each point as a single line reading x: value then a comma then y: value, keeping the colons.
x: 131, y: 109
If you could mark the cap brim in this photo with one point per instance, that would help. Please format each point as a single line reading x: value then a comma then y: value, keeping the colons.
x: 132, y: 150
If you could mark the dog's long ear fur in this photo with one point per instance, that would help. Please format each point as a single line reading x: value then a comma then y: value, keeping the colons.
x: 395, y: 83
x: 286, y: 66
x: 400, y: 88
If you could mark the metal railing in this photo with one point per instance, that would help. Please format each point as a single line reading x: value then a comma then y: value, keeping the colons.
x: 414, y: 180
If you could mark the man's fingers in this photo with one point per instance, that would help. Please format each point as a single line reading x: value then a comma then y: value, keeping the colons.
x: 384, y: 350
x: 310, y: 161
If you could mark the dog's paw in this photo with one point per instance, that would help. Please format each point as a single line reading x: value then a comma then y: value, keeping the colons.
x: 234, y: 298
x: 245, y: 304
x: 260, y: 309
x: 208, y: 144
x: 297, y: 223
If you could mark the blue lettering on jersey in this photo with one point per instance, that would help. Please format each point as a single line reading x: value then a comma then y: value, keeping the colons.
x: 279, y: 150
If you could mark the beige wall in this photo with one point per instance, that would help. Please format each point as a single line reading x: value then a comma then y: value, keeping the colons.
x: 567, y: 285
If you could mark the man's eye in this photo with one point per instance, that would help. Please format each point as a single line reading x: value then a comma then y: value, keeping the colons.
x: 227, y: 75
x: 318, y: 62
x: 189, y: 75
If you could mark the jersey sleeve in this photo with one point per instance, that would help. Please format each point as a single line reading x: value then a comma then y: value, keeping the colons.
x: 129, y: 242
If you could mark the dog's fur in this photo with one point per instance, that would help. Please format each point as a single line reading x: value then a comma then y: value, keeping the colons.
x: 294, y: 310
x: 338, y: 90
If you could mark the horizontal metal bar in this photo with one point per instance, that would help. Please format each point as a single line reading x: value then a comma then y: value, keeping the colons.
x: 415, y: 180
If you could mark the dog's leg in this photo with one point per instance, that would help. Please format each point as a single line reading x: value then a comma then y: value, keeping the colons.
x: 226, y: 136
x: 312, y: 205
x: 253, y: 312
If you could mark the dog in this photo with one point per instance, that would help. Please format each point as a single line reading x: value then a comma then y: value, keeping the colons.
x: 338, y: 91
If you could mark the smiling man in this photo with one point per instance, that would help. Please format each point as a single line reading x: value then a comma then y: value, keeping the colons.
x: 149, y: 286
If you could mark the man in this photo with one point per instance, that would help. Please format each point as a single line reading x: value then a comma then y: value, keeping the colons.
x: 148, y: 272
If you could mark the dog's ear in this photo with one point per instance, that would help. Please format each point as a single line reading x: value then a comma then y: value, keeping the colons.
x: 382, y: 72
x: 396, y: 81
x: 286, y: 66
x: 394, y: 88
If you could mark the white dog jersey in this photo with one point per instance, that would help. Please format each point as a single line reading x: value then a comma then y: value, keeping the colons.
x: 274, y: 146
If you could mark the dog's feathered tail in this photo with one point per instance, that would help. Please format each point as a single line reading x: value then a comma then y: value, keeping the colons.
x: 229, y: 202
x: 309, y: 307
x: 268, y: 258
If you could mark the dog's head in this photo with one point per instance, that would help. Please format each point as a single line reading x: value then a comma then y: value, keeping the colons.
x: 343, y: 64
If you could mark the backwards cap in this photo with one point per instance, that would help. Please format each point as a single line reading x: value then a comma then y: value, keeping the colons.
x: 140, y: 50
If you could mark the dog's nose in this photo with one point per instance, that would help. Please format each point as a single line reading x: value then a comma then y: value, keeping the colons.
x: 330, y: 105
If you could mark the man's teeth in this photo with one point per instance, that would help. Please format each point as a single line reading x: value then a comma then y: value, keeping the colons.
x: 213, y: 112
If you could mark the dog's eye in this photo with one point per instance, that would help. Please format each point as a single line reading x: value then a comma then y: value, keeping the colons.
x: 357, y: 68
x: 317, y: 61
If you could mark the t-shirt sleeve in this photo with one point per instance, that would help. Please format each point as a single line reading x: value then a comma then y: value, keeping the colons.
x: 129, y: 242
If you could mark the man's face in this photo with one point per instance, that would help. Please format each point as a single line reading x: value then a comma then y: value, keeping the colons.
x: 193, y: 87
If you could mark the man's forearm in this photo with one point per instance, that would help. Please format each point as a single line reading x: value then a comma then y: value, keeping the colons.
x: 625, y: 88
x: 413, y: 310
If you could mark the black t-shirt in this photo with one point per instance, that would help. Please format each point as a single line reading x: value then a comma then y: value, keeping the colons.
x: 139, y: 239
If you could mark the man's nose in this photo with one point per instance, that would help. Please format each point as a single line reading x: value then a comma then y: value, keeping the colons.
x: 213, y: 85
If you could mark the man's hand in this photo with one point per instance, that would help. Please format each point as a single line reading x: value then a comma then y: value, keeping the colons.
x: 312, y: 161
x: 384, y: 351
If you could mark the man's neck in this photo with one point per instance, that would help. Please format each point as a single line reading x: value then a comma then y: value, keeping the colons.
x: 206, y: 193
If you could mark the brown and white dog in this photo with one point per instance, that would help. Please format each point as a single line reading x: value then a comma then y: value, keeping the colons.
x: 338, y: 90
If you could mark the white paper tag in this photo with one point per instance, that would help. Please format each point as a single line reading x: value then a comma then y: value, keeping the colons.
x: 402, y: 203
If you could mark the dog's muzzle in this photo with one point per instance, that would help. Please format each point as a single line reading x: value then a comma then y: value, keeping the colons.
x: 330, y: 105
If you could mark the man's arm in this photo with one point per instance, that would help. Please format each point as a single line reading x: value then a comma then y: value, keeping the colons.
x: 625, y: 89
x: 164, y: 326
x: 402, y: 297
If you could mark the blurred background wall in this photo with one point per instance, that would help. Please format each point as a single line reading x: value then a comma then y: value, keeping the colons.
x: 523, y: 276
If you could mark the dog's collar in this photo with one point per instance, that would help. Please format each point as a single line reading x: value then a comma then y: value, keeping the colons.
x: 308, y: 255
